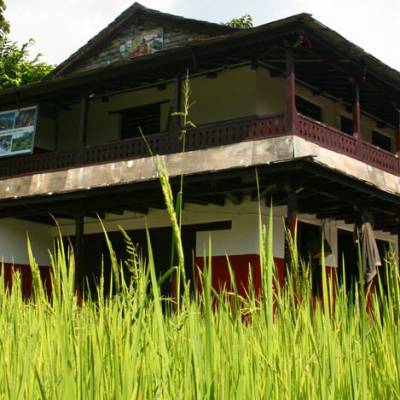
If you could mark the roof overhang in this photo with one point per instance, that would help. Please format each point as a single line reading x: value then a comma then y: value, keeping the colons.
x: 331, y: 185
x: 326, y: 62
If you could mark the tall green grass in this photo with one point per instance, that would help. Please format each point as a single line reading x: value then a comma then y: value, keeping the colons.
x: 136, y: 344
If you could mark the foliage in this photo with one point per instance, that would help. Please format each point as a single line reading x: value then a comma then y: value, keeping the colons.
x: 16, y: 67
x: 135, y: 344
x: 243, y: 22
x: 4, y: 24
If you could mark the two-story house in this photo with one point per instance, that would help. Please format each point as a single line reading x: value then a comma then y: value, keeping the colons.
x: 316, y: 116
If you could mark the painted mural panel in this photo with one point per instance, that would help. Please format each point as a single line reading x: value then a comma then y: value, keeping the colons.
x: 17, y: 131
x: 140, y: 40
x: 142, y: 43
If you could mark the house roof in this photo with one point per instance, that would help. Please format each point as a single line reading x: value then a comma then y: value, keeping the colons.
x: 129, y: 14
x: 222, y: 48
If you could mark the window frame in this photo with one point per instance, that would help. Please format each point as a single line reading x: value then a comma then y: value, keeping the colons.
x: 120, y: 112
x: 312, y: 104
x: 385, y: 136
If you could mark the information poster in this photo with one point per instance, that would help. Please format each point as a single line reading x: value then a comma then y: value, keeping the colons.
x: 17, y: 131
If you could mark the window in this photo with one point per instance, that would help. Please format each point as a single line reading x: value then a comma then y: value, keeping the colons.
x: 147, y: 118
x: 346, y: 125
x: 308, y: 109
x: 382, y: 141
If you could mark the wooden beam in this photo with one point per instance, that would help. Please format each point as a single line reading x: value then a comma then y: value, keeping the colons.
x: 356, y: 111
x: 175, y: 120
x: 397, y: 135
x: 82, y: 128
x: 291, y: 112
x: 217, y: 199
x: 138, y: 209
x: 342, y: 214
x: 235, y: 198
x: 95, y: 215
x: 291, y: 224
x: 79, y: 252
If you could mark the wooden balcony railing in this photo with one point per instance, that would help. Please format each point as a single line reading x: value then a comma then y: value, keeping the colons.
x: 335, y: 140
x: 210, y: 135
x: 235, y: 131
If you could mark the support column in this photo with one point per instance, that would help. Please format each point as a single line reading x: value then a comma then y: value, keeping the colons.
x: 79, y: 252
x: 291, y: 223
x: 398, y: 250
x: 81, y: 143
x: 291, y: 112
x: 292, y: 212
x: 356, y: 112
x: 175, y: 121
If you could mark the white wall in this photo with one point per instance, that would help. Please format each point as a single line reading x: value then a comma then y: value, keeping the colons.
x: 13, y: 241
x: 242, y: 239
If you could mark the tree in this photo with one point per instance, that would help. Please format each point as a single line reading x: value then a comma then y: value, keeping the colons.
x: 243, y: 22
x: 4, y: 25
x: 16, y: 66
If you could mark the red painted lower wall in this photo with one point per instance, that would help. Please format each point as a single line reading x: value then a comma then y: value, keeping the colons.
x: 26, y: 278
x: 243, y: 266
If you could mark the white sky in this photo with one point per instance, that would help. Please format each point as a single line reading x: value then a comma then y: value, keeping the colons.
x: 61, y: 26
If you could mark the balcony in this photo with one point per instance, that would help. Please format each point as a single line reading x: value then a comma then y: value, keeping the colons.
x: 210, y: 135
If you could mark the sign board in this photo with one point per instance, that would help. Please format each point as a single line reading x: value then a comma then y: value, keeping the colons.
x: 17, y: 131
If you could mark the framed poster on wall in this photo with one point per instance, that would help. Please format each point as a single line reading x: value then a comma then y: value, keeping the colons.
x: 17, y: 131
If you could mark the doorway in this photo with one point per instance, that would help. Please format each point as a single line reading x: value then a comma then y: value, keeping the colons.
x: 348, y: 273
x: 97, y: 255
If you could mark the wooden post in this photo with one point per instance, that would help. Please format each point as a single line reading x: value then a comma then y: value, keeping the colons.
x: 291, y: 112
x: 82, y: 128
x: 175, y: 121
x: 292, y: 212
x: 398, y: 250
x: 356, y: 112
x: 291, y: 223
x: 397, y: 136
x: 79, y: 252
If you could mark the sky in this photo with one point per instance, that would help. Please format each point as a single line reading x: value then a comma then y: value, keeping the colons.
x: 60, y: 27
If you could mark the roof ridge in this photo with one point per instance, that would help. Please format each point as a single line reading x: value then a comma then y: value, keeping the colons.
x: 114, y: 25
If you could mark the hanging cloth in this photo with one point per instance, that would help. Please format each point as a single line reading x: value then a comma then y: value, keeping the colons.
x: 370, y: 253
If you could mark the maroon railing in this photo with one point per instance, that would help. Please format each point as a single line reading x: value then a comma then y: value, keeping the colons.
x: 160, y: 143
x: 18, y: 165
x: 236, y: 131
x: 210, y: 135
x: 379, y: 158
x: 163, y: 143
x: 335, y: 140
